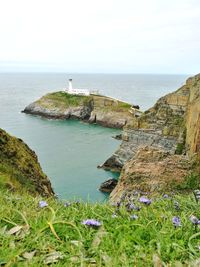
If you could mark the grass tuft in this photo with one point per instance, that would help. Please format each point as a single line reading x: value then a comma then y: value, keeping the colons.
x: 55, y: 234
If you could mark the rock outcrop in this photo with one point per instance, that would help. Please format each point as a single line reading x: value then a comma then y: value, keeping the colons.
x: 162, y: 126
x: 193, y: 117
x: 19, y: 167
x: 170, y: 130
x: 108, y: 185
x: 98, y: 109
x: 152, y: 170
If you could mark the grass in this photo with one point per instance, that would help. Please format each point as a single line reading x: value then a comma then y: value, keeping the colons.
x: 19, y: 166
x: 68, y: 99
x: 55, y: 235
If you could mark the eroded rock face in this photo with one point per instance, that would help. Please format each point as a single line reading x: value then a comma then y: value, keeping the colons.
x: 151, y: 169
x: 19, y: 167
x: 162, y: 126
x: 132, y: 140
x: 193, y: 117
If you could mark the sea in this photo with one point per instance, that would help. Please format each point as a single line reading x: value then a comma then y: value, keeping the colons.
x: 70, y: 151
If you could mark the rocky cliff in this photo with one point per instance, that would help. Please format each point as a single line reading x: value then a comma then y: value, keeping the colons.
x: 162, y: 126
x: 193, y: 117
x: 169, y: 128
x: 98, y: 109
x: 19, y: 167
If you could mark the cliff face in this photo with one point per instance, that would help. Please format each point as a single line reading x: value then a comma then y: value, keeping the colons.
x: 152, y: 169
x: 193, y: 117
x: 19, y: 167
x: 102, y: 110
x: 162, y: 126
x: 169, y: 128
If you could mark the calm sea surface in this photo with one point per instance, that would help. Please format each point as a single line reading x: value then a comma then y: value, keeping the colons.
x: 69, y: 151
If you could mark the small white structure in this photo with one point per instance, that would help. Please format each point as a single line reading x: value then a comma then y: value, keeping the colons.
x: 73, y: 91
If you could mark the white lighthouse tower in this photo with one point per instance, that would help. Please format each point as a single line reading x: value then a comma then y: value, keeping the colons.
x: 70, y: 89
x: 74, y: 91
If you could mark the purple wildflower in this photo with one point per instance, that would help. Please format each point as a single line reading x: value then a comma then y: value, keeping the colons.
x: 42, y: 204
x: 145, y: 200
x: 133, y: 217
x: 197, y: 195
x: 176, y: 221
x: 176, y: 205
x: 165, y: 196
x: 133, y: 207
x: 91, y: 223
x: 135, y: 193
x: 194, y: 220
x: 67, y: 204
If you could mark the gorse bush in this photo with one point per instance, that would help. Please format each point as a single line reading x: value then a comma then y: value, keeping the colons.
x: 140, y: 232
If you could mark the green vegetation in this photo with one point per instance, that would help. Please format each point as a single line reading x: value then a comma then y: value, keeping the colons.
x: 191, y: 182
x: 19, y: 166
x: 180, y: 148
x: 60, y: 98
x: 34, y: 236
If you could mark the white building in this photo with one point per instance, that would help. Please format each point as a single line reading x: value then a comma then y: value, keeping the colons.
x: 73, y: 91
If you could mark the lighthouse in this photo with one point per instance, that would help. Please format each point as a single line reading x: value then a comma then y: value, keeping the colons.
x: 73, y: 91
x: 70, y: 86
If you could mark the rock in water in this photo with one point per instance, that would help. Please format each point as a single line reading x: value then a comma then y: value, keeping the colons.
x: 108, y: 185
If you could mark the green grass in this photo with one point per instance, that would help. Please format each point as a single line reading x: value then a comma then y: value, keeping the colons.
x: 68, y: 99
x: 119, y: 241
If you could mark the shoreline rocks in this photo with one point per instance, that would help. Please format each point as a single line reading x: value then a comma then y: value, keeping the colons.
x: 108, y: 185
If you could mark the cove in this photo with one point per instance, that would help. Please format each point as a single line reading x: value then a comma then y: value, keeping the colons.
x: 69, y: 153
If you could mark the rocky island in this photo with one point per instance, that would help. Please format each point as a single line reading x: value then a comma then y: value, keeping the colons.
x: 103, y: 110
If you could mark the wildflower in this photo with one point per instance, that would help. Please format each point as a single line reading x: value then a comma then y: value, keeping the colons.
x: 197, y: 195
x: 133, y: 207
x: 114, y: 215
x: 42, y: 204
x: 145, y: 200
x: 194, y: 220
x: 176, y: 221
x: 67, y: 204
x: 91, y: 223
x: 135, y: 193
x: 123, y: 196
x: 165, y: 196
x: 133, y: 217
x: 176, y: 205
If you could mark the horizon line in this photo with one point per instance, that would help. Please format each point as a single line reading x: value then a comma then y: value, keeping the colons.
x: 105, y: 73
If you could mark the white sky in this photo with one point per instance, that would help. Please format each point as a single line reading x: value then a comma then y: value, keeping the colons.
x: 134, y: 36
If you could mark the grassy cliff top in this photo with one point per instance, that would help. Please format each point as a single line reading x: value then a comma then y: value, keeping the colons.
x: 34, y: 233
x: 19, y: 167
x: 63, y: 98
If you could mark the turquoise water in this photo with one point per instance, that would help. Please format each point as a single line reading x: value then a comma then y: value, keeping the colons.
x: 69, y: 151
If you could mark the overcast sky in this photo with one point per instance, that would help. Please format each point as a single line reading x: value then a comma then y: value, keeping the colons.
x: 134, y: 36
